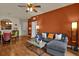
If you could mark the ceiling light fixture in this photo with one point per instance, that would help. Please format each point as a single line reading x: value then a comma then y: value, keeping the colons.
x: 30, y: 7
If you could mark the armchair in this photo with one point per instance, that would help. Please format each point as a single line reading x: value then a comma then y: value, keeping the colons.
x: 6, y: 37
x: 15, y: 34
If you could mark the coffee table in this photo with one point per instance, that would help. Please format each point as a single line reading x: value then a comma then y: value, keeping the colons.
x: 32, y: 43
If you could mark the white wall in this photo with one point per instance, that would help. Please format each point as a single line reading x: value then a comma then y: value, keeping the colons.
x: 14, y: 21
x: 24, y: 26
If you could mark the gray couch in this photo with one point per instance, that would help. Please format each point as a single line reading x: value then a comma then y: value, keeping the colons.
x: 57, y: 47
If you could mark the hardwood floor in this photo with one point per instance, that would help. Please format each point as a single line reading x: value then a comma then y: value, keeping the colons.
x: 18, y: 48
x: 72, y: 52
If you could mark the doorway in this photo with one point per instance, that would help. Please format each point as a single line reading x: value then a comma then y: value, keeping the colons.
x: 34, y: 30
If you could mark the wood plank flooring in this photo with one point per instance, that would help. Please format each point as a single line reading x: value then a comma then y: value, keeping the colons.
x: 18, y: 48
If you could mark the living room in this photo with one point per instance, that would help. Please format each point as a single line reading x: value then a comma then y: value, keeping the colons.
x: 56, y: 21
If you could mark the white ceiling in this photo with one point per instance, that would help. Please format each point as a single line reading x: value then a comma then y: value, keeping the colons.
x: 12, y: 9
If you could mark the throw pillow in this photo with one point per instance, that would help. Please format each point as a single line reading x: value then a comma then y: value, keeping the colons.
x: 39, y: 37
x: 51, y: 36
x: 58, y: 36
x: 44, y: 35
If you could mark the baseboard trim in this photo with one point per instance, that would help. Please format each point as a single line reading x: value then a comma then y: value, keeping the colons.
x: 70, y: 46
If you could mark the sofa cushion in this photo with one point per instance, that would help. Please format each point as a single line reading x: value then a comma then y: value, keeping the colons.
x: 57, y: 45
x: 47, y: 40
x: 63, y: 37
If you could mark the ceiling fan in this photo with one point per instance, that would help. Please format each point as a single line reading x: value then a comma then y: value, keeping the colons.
x: 30, y: 7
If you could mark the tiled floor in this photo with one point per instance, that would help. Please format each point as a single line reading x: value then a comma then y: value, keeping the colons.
x: 18, y: 48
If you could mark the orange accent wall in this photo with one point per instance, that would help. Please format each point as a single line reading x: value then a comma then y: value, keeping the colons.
x: 59, y: 20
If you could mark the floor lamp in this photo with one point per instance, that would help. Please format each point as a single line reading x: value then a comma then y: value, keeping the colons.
x: 74, y: 30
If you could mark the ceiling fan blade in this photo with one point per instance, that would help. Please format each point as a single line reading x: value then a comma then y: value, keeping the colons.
x: 21, y: 6
x: 35, y: 10
x: 38, y: 6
